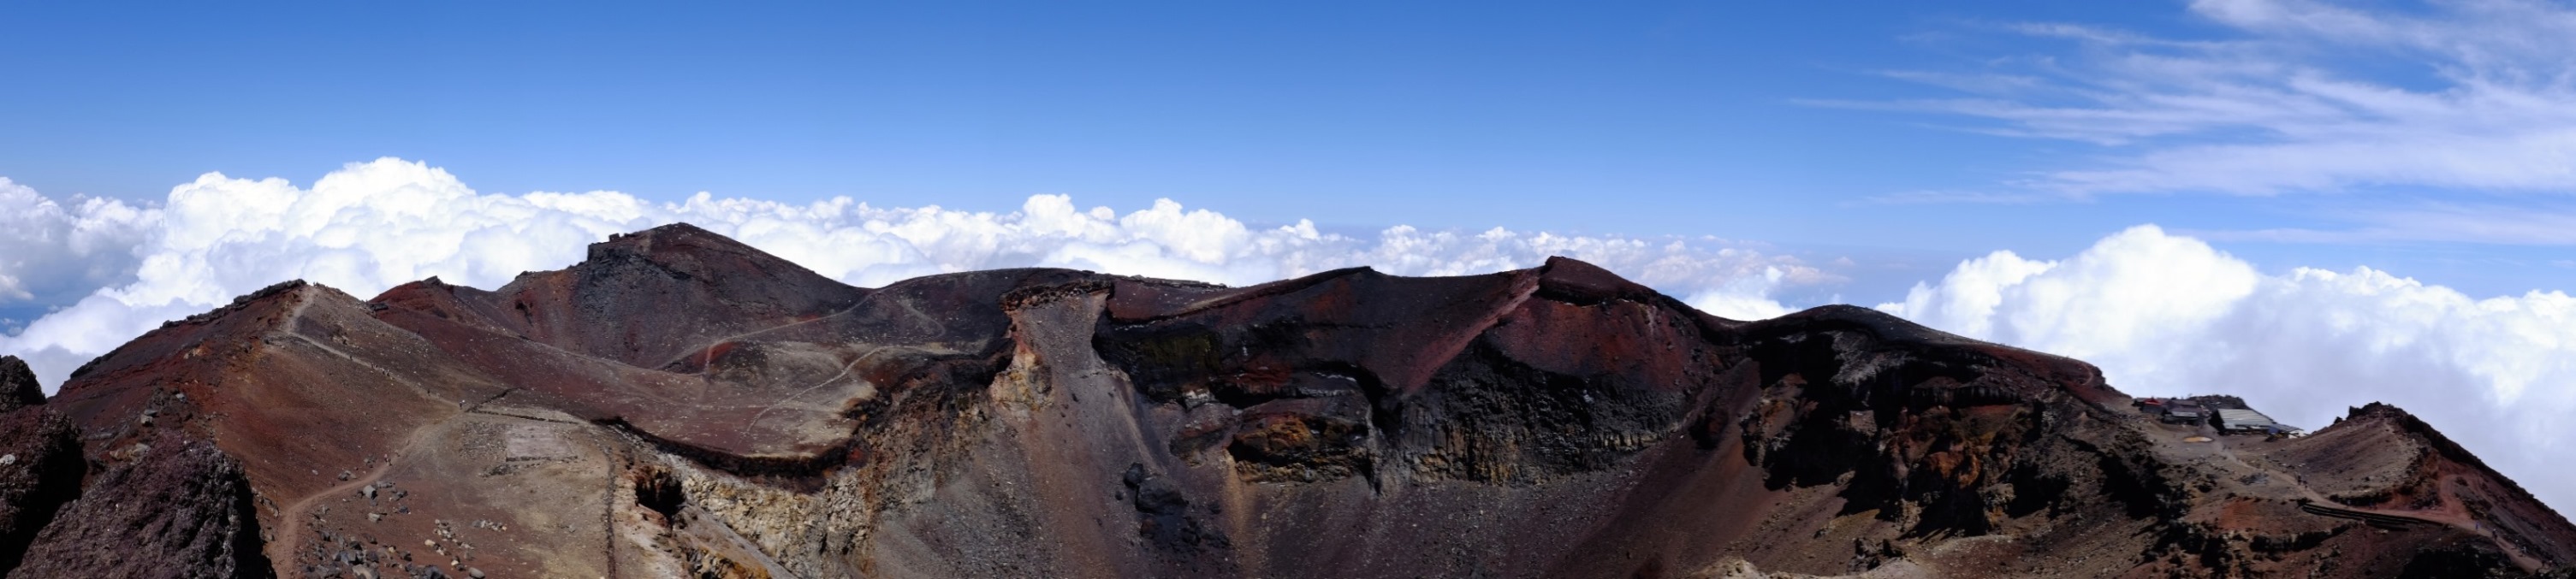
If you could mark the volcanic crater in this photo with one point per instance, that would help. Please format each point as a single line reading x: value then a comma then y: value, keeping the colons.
x: 681, y: 404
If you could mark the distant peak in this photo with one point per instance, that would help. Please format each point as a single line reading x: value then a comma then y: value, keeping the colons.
x: 672, y: 230
x: 1574, y: 280
x: 676, y: 237
x: 281, y: 291
x: 2379, y: 409
x: 1883, y: 324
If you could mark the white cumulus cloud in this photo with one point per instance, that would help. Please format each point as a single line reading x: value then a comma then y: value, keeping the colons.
x: 115, y: 271
x: 2170, y: 315
x: 60, y: 250
x: 2162, y: 314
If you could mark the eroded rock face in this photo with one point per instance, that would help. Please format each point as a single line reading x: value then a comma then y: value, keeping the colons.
x: 170, y: 512
x: 18, y: 387
x: 40, y: 470
x: 681, y: 404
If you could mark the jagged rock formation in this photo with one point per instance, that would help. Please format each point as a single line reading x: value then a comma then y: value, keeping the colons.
x: 18, y: 388
x: 40, y: 461
x: 174, y: 512
x: 683, y: 405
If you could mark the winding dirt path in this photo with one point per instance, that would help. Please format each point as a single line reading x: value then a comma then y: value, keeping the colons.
x: 292, y: 516
x: 290, y: 532
x: 706, y: 351
x: 845, y: 372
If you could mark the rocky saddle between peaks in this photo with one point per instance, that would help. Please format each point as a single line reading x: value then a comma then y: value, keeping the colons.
x: 679, y: 404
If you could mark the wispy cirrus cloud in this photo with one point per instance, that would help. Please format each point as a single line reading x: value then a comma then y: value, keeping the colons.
x: 2480, y: 223
x: 2292, y: 96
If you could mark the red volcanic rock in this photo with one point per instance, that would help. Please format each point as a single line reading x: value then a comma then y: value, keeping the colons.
x: 645, y: 299
x: 682, y: 404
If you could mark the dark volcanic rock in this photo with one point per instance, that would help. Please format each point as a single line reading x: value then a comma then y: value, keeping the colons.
x: 183, y: 511
x: 18, y: 387
x: 692, y: 285
x: 681, y: 404
x: 40, y: 469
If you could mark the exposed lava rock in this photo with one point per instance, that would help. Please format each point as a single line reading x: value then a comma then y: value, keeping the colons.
x: 40, y: 469
x: 1163, y: 514
x: 18, y: 387
x: 183, y: 511
x: 680, y: 404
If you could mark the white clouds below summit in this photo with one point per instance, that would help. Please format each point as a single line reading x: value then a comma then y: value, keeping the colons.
x: 116, y: 271
x: 59, y: 250
x: 2161, y: 314
x: 2169, y: 315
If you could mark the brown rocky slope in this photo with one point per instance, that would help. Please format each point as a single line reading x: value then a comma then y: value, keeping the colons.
x: 680, y: 404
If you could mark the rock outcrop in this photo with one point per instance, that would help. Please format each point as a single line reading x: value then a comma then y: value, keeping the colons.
x: 18, y: 387
x: 40, y: 461
x: 182, y: 511
x: 683, y: 405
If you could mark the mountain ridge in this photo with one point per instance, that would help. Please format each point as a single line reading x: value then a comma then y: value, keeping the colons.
x: 682, y: 404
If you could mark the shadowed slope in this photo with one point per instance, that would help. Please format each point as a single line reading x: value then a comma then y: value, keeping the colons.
x: 646, y: 298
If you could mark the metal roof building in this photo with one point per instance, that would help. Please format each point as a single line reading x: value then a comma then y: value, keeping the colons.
x: 2236, y: 419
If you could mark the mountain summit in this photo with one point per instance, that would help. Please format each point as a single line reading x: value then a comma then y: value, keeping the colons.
x: 680, y: 404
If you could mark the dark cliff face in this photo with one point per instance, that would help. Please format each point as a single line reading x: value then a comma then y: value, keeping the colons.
x: 681, y: 404
x: 18, y: 388
x: 40, y: 462
x: 168, y: 512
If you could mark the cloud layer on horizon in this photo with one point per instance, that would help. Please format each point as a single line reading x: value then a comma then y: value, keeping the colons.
x: 115, y: 271
x: 59, y: 251
x: 2168, y: 315
x: 2160, y: 313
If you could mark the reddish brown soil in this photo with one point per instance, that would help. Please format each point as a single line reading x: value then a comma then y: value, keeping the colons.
x: 681, y: 404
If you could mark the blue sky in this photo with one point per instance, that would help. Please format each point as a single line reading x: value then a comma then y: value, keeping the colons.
x: 1685, y: 118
